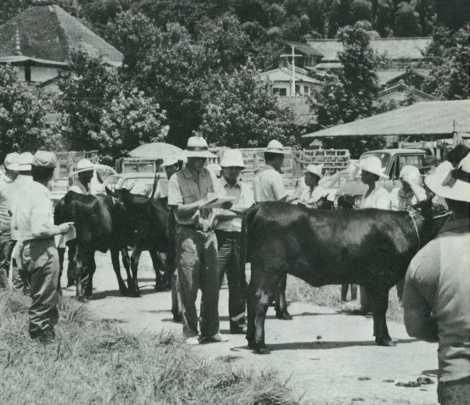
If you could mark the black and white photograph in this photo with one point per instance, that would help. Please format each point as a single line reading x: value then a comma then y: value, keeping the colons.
x: 235, y: 202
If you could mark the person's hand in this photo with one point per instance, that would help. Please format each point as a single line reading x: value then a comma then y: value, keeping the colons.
x: 65, y: 227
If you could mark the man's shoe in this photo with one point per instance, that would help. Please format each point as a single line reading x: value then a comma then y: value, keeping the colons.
x: 193, y: 340
x: 237, y: 328
x: 217, y: 338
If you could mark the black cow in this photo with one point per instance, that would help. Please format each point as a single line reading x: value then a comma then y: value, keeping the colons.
x: 368, y: 247
x: 101, y: 224
x: 149, y: 222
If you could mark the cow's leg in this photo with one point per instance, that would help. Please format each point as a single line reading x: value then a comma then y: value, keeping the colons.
x: 263, y: 286
x: 126, y: 260
x: 175, y: 299
x: 135, y: 258
x: 281, y: 302
x: 92, y: 269
x: 157, y: 265
x: 117, y: 270
x: 71, y: 265
x: 379, y: 301
x: 82, y: 260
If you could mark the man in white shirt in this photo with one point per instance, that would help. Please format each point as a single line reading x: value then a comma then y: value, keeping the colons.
x: 268, y: 185
x: 84, y: 172
x: 228, y: 231
x: 33, y: 222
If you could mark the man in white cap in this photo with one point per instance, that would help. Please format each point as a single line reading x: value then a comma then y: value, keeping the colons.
x: 33, y: 222
x: 411, y: 192
x: 228, y: 230
x: 84, y: 171
x: 10, y: 166
x: 189, y: 191
x: 312, y: 195
x: 436, y: 297
x: 268, y: 185
x: 18, y: 189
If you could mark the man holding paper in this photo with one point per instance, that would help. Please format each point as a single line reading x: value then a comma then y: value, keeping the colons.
x: 228, y: 230
x: 190, y: 194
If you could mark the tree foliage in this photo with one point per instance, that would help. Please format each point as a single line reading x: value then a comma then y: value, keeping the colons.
x: 241, y: 111
x: 23, y: 124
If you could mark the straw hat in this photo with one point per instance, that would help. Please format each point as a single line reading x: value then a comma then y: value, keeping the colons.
x: 197, y: 147
x: 315, y: 169
x: 453, y: 184
x: 84, y: 165
x: 11, y: 161
x: 411, y: 175
x: 275, y: 147
x: 372, y: 164
x: 25, y: 162
x: 44, y: 158
x: 232, y: 158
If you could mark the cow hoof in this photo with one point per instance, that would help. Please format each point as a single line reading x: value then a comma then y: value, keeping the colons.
x: 387, y: 342
x: 83, y: 300
x: 262, y: 350
x: 177, y: 318
x: 159, y: 288
x: 134, y: 293
x: 284, y: 316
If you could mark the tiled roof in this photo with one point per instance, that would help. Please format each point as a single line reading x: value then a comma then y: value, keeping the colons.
x: 402, y: 87
x: 283, y: 74
x: 48, y: 33
x: 304, y: 48
x: 433, y: 118
x: 393, y: 48
x: 386, y: 76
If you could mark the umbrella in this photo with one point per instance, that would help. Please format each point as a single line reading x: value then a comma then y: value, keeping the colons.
x: 156, y: 151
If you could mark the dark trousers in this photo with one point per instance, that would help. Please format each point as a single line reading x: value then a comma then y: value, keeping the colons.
x: 229, y: 264
x: 454, y: 392
x: 41, y: 260
x: 196, y: 261
x: 6, y: 248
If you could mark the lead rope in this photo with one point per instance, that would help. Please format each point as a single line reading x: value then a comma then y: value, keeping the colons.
x: 415, y: 225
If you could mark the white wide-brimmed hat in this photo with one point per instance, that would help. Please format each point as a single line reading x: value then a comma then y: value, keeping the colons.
x: 372, y: 164
x: 315, y: 169
x: 450, y: 183
x: 275, y: 146
x: 197, y: 147
x: 411, y: 174
x: 44, y: 158
x: 84, y: 165
x: 25, y: 162
x: 232, y: 158
x: 11, y: 161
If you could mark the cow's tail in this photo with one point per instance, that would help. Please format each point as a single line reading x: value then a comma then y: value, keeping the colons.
x: 247, y: 221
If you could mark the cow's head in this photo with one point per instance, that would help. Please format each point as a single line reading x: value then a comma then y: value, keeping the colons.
x: 430, y: 219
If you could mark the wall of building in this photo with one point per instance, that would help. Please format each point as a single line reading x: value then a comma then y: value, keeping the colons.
x: 43, y: 73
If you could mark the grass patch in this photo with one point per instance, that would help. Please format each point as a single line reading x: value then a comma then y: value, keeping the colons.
x: 94, y: 362
x: 330, y: 296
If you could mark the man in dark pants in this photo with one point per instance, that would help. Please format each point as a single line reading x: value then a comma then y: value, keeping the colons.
x: 33, y: 223
x: 189, y: 191
x: 228, y: 230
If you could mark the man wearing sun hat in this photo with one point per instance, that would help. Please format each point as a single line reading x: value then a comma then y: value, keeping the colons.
x: 411, y: 191
x: 33, y: 221
x: 312, y: 194
x: 196, y: 245
x: 84, y: 172
x: 436, y: 297
x: 228, y: 230
x: 10, y: 166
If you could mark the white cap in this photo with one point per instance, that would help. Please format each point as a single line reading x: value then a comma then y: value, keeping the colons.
x: 232, y: 158
x: 411, y: 175
x: 315, y: 169
x: 25, y: 162
x: 197, y: 147
x: 11, y: 161
x: 372, y: 164
x: 453, y: 184
x: 170, y: 161
x: 84, y: 165
x: 275, y: 146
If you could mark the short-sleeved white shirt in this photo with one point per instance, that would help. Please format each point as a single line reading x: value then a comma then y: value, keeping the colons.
x: 268, y: 185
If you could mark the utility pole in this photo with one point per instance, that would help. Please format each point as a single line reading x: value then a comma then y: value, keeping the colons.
x: 292, y: 91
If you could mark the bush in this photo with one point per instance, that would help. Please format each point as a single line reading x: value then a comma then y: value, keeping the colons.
x: 96, y: 363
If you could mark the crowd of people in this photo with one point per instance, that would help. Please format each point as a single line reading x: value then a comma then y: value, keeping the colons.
x: 208, y: 213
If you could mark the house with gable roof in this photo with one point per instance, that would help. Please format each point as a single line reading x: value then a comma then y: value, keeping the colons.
x: 40, y: 41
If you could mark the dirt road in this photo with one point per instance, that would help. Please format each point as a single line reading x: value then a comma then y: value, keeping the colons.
x: 328, y: 358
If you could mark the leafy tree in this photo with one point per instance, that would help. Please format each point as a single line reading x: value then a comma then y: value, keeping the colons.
x: 128, y: 120
x: 453, y: 13
x: 240, y: 110
x: 23, y: 124
x: 406, y: 21
x: 361, y: 10
x: 450, y: 58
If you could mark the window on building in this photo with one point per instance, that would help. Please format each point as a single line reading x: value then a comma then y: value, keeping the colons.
x: 306, y: 90
x: 279, y: 91
x: 297, y: 90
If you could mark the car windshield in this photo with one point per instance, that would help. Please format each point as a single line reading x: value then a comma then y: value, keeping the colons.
x: 383, y: 156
